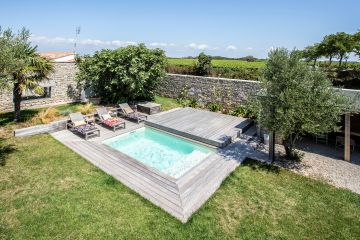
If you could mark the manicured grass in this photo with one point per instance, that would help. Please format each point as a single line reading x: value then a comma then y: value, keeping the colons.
x: 50, y: 192
x: 231, y: 64
x: 167, y: 103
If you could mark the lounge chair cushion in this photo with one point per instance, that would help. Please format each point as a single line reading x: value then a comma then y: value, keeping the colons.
x: 79, y: 123
x: 106, y: 116
x: 128, y: 110
x: 85, y: 128
x: 111, y: 121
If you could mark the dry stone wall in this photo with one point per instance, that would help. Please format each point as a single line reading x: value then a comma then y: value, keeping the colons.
x: 229, y: 92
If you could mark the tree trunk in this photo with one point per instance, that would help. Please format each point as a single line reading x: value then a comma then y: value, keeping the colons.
x: 341, y: 58
x: 314, y: 63
x: 330, y: 60
x: 289, y: 145
x: 17, y: 101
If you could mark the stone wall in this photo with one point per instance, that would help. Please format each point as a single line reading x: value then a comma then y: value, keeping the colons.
x: 63, y: 90
x: 229, y: 92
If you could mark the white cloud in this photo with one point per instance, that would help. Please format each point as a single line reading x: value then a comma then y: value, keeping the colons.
x: 249, y: 48
x: 231, y: 47
x: 92, y: 42
x: 198, y: 46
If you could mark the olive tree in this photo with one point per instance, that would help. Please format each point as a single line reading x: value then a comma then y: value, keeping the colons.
x: 123, y: 74
x: 297, y: 100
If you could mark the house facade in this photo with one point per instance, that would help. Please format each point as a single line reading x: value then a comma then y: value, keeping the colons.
x: 60, y: 87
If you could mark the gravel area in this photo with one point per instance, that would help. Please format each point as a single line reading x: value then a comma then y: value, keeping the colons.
x: 325, y: 162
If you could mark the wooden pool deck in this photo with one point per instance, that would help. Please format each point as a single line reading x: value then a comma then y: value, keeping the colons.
x: 208, y: 127
x: 180, y: 197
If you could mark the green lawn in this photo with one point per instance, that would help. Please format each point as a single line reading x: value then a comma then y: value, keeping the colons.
x: 167, y: 103
x: 50, y: 192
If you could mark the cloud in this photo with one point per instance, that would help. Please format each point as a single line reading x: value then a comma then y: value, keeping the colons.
x: 198, y: 46
x: 44, y: 39
x: 88, y: 42
x: 231, y: 47
x: 249, y: 48
x: 162, y: 44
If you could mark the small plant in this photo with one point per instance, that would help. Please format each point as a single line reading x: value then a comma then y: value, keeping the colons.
x: 182, y: 98
x: 214, y: 106
x: 86, y: 109
x: 46, y: 116
x: 240, y: 111
x: 193, y: 103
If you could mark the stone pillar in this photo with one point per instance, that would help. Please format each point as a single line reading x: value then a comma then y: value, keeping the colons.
x: 347, y: 138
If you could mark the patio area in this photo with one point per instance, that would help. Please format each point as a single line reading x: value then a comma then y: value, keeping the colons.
x: 325, y: 162
x: 180, y: 197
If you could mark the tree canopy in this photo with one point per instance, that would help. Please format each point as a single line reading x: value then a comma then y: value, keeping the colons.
x: 297, y: 100
x: 339, y: 45
x: 21, y: 67
x: 123, y: 74
x: 203, y: 65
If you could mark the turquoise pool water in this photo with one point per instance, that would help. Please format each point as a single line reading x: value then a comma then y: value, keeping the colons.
x: 165, y: 152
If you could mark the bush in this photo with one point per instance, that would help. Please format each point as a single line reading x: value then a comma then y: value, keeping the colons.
x: 214, y: 106
x: 193, y: 103
x: 45, y: 116
x: 124, y: 74
x: 203, y: 65
x: 240, y: 111
x: 86, y: 108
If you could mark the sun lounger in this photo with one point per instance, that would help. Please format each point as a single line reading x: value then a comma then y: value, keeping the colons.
x: 110, y: 121
x: 128, y: 112
x: 77, y: 123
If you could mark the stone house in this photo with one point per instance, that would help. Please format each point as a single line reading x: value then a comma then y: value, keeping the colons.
x: 61, y: 87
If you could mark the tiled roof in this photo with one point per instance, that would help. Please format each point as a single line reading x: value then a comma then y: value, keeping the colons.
x: 55, y: 55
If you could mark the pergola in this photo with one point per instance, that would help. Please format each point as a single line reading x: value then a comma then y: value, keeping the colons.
x: 354, y: 94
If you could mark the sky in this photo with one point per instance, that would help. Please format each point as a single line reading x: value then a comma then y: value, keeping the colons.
x: 182, y: 28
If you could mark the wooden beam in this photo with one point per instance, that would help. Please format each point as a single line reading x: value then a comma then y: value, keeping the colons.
x: 347, y: 138
x: 272, y: 146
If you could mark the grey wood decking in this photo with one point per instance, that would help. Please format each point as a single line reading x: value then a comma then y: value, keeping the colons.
x: 200, y: 125
x: 180, y: 197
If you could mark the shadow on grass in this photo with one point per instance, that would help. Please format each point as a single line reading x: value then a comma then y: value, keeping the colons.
x: 5, y: 150
x: 260, y: 166
x: 8, y: 117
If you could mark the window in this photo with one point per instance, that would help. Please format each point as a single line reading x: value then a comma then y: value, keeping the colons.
x: 30, y: 94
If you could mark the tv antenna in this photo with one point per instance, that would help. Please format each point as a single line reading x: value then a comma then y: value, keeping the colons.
x: 77, y: 33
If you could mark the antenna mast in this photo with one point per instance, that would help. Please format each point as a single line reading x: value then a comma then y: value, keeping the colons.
x: 77, y: 33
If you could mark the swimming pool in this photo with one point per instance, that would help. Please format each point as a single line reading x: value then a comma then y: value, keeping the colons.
x: 165, y: 152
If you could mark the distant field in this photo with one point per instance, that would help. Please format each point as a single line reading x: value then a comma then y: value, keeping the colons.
x: 233, y: 64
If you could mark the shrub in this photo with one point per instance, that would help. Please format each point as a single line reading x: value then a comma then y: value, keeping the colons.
x: 193, y: 103
x: 45, y: 116
x: 214, y: 106
x: 124, y: 74
x: 240, y: 111
x: 86, y: 108
x: 203, y: 65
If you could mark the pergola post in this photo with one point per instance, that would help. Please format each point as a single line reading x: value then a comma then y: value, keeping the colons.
x: 347, y: 138
x: 272, y: 146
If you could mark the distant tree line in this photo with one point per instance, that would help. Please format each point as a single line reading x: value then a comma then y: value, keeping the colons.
x: 334, y: 46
